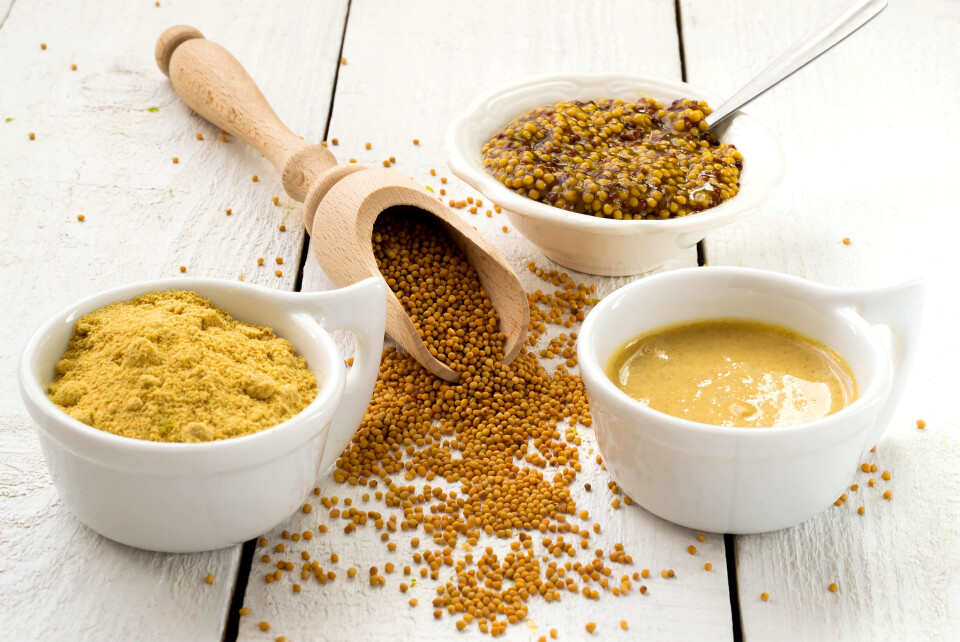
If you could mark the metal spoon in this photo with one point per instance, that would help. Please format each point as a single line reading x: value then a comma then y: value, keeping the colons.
x: 821, y: 38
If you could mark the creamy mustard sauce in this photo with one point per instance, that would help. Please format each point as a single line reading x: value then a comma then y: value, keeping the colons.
x: 727, y: 372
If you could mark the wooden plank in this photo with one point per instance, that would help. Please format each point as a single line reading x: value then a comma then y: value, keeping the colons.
x: 410, y: 67
x: 99, y: 152
x: 866, y: 154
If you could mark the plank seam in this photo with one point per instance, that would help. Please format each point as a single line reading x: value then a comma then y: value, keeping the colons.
x: 304, y: 249
x: 7, y: 14
x: 232, y: 628
x: 679, y: 18
x: 733, y: 588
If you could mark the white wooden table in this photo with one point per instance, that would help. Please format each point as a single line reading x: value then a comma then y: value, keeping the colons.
x: 870, y: 135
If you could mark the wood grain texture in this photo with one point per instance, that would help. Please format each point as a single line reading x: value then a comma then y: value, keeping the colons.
x: 99, y: 152
x: 409, y: 68
x: 866, y: 158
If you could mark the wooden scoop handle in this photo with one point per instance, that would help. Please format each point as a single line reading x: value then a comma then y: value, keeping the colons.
x: 217, y: 87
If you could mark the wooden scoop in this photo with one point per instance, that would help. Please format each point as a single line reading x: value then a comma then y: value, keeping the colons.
x: 341, y: 202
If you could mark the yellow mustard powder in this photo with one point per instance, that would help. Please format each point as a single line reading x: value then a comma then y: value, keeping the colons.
x: 171, y: 366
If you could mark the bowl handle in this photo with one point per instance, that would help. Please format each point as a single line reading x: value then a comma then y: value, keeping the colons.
x: 360, y: 309
x: 899, y: 308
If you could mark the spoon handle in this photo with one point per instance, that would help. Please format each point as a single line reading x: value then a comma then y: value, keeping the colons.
x: 820, y: 39
x: 217, y: 87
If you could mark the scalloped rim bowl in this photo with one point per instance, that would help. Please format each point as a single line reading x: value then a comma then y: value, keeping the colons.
x: 595, y: 245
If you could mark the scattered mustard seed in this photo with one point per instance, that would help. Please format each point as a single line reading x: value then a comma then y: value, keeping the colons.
x: 279, y: 261
x: 81, y: 217
x: 591, y: 627
x: 210, y: 578
x: 692, y: 549
x: 416, y: 141
x: 32, y: 136
x: 885, y: 476
x: 229, y: 211
x: 183, y: 268
x: 175, y: 160
x: 708, y: 566
x: 264, y: 626
x: 861, y: 510
x: 43, y: 46
x: 921, y: 424
x: 887, y: 494
x: 833, y: 587
x: 244, y: 611
x: 764, y: 596
x: 199, y: 136
x: 255, y: 179
x: 368, y: 145
x: 343, y: 61
x: 278, y: 272
x: 73, y: 67
x: 336, y: 141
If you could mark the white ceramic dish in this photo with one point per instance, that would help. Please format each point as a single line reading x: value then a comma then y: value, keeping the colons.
x: 194, y: 497
x: 741, y: 480
x: 595, y: 245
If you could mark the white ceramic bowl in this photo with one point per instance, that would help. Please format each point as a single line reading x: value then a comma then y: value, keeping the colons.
x: 595, y: 245
x: 747, y: 480
x: 194, y: 497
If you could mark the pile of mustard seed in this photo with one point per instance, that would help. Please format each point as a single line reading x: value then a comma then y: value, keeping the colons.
x: 616, y: 159
x: 452, y: 466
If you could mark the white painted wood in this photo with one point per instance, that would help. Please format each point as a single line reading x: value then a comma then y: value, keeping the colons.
x: 410, y: 67
x: 868, y: 150
x: 99, y: 152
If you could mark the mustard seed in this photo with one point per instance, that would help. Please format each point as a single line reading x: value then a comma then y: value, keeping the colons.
x: 210, y: 578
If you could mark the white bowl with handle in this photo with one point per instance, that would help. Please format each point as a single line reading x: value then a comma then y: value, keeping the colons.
x: 190, y: 497
x: 747, y: 480
x: 597, y: 245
